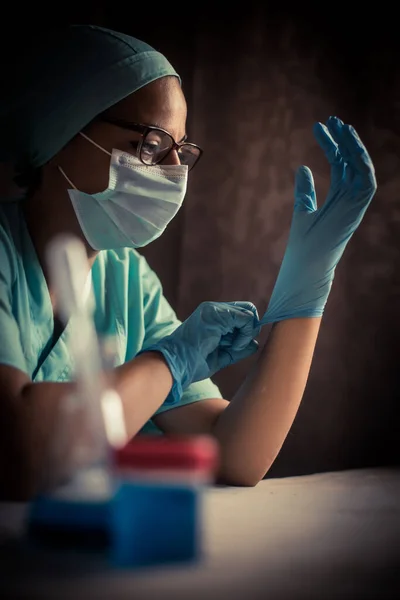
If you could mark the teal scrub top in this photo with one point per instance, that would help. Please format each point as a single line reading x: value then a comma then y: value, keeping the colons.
x: 129, y: 306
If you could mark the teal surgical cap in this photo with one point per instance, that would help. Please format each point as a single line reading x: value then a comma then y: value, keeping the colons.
x: 65, y: 80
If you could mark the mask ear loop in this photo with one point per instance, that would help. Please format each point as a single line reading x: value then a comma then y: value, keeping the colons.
x: 66, y: 177
x: 94, y: 144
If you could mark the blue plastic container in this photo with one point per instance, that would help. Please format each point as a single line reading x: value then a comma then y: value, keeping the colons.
x: 155, y: 513
x: 154, y: 523
x: 76, y: 515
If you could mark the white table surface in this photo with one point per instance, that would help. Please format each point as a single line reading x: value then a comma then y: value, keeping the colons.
x: 331, y: 535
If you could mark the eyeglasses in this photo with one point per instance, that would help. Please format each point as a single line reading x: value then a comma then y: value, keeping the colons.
x: 155, y: 144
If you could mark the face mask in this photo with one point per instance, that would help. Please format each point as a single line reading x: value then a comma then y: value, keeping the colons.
x: 137, y: 205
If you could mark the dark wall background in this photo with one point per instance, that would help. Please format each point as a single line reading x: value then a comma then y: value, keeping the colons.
x: 255, y: 81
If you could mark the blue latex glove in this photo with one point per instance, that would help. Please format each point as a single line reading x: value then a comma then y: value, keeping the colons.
x: 216, y: 335
x: 318, y: 236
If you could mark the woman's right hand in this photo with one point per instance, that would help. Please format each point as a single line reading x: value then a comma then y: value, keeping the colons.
x: 216, y: 335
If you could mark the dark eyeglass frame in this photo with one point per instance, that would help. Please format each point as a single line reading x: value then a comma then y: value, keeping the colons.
x: 144, y: 130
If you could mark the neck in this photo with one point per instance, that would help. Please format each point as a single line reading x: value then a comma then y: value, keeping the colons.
x: 47, y: 218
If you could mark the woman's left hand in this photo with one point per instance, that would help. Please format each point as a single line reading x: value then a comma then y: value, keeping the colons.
x: 318, y: 236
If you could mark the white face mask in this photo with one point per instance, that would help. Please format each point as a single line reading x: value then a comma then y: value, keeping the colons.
x: 137, y: 205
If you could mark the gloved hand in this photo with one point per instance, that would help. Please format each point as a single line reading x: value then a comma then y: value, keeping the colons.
x: 318, y: 236
x: 216, y: 335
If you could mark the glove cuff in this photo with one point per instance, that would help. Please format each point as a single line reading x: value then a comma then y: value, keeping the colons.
x: 271, y: 317
x: 176, y: 391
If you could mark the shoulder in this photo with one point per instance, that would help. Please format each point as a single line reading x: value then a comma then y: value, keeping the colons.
x: 9, y: 231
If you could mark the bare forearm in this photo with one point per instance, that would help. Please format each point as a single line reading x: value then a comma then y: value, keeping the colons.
x: 29, y: 420
x: 33, y: 452
x: 143, y: 385
x: 252, y: 429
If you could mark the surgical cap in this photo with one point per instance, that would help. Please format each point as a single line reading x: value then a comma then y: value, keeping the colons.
x: 66, y: 80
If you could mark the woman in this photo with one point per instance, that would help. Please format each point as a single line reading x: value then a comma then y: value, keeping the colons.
x: 95, y: 128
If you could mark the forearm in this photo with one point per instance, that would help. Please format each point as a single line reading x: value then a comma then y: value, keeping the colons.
x: 143, y: 385
x: 29, y: 421
x: 38, y: 439
x: 252, y: 429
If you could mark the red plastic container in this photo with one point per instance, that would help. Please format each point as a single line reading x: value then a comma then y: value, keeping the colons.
x: 183, y: 457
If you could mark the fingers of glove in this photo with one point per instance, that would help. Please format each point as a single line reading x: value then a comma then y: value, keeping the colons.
x: 332, y: 152
x: 236, y: 340
x: 358, y: 162
x: 328, y: 144
x: 229, y: 357
x: 246, y: 305
x: 212, y: 318
x: 246, y: 319
x: 358, y: 156
x: 222, y: 318
x: 304, y: 191
x: 336, y: 129
x: 227, y: 339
